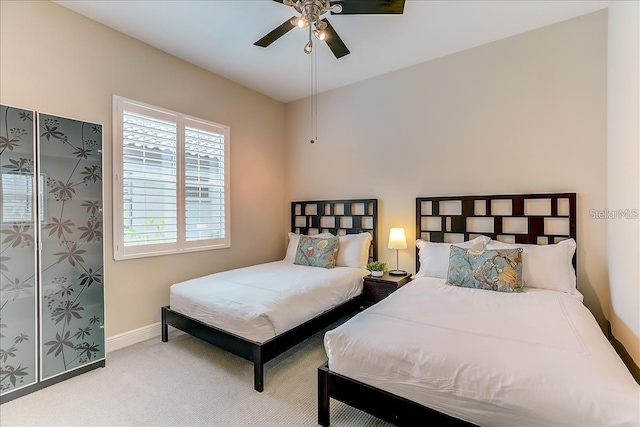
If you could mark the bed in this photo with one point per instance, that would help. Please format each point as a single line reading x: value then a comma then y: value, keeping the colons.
x: 259, y: 312
x: 459, y: 356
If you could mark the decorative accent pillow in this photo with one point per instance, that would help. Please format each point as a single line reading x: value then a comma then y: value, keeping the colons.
x: 494, y: 270
x: 434, y: 257
x: 293, y: 243
x: 354, y: 250
x: 317, y: 251
x: 547, y: 266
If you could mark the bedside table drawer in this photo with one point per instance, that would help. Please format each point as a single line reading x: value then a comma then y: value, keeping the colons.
x: 378, y: 288
x: 374, y: 292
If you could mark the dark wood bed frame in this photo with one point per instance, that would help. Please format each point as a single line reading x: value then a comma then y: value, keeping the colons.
x: 401, y: 411
x: 307, y: 217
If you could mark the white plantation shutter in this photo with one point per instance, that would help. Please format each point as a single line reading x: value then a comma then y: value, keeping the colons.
x: 204, y: 176
x: 171, y: 191
x: 149, y: 180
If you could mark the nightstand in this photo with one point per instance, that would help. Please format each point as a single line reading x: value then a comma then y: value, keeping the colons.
x: 378, y: 288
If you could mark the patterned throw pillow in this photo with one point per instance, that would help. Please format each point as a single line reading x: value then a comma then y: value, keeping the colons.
x: 495, y: 270
x: 317, y: 251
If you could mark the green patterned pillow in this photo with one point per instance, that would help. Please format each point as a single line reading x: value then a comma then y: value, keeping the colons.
x: 494, y: 270
x: 317, y: 251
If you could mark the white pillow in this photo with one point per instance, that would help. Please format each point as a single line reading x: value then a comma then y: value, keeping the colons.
x: 354, y: 250
x: 546, y: 266
x: 293, y: 244
x: 434, y: 257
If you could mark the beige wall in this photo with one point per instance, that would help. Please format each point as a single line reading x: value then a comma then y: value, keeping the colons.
x: 521, y: 115
x: 623, y: 140
x: 56, y: 61
x: 525, y: 114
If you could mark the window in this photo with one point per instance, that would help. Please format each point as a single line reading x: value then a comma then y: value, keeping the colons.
x: 171, y: 189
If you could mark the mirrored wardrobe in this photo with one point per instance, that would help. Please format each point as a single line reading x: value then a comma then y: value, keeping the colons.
x: 51, y: 250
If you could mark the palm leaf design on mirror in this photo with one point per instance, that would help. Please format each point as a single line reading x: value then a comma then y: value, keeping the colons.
x: 71, y: 335
x: 75, y: 225
x: 16, y: 246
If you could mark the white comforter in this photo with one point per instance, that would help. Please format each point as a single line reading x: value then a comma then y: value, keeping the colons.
x: 532, y: 358
x: 262, y: 301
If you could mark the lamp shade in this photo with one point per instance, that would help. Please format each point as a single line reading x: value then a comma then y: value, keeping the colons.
x: 397, y: 239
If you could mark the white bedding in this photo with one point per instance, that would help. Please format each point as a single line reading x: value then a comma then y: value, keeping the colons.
x: 490, y: 358
x: 262, y: 301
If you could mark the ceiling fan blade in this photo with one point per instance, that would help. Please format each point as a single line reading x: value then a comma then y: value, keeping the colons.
x: 276, y: 34
x: 334, y: 41
x: 361, y: 7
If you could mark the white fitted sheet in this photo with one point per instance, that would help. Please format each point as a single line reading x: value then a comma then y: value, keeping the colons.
x: 531, y: 358
x: 265, y: 300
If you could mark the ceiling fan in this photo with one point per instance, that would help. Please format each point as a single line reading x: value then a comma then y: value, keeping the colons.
x: 310, y: 17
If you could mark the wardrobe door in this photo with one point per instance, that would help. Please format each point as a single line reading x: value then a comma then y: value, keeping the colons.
x: 18, y: 288
x: 71, y: 266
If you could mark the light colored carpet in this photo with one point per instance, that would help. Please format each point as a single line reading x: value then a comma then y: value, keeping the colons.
x: 186, y: 382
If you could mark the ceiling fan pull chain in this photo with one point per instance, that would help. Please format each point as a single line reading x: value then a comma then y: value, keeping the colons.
x: 315, y: 94
x: 314, y: 87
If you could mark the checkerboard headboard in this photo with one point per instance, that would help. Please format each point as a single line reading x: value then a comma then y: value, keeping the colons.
x: 338, y: 217
x: 519, y: 218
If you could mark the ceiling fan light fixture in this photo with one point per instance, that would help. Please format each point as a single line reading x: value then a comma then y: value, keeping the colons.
x: 309, y: 15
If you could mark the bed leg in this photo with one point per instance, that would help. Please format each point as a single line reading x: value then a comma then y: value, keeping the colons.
x: 258, y: 370
x: 165, y: 327
x: 323, y: 398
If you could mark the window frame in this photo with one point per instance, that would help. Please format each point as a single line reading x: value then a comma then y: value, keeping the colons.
x: 122, y: 252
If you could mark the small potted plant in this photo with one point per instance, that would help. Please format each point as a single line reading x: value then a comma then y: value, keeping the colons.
x: 377, y: 268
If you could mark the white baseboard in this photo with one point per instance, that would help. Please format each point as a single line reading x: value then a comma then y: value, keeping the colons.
x: 135, y: 336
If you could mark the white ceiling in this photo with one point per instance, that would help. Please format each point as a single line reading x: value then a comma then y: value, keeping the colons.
x: 219, y: 35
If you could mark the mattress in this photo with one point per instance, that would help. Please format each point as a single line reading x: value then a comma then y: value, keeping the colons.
x: 263, y: 301
x: 490, y: 358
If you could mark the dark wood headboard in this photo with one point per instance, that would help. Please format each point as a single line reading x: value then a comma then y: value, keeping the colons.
x: 513, y: 218
x: 338, y: 217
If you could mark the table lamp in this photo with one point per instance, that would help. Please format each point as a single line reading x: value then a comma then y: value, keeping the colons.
x: 397, y: 240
